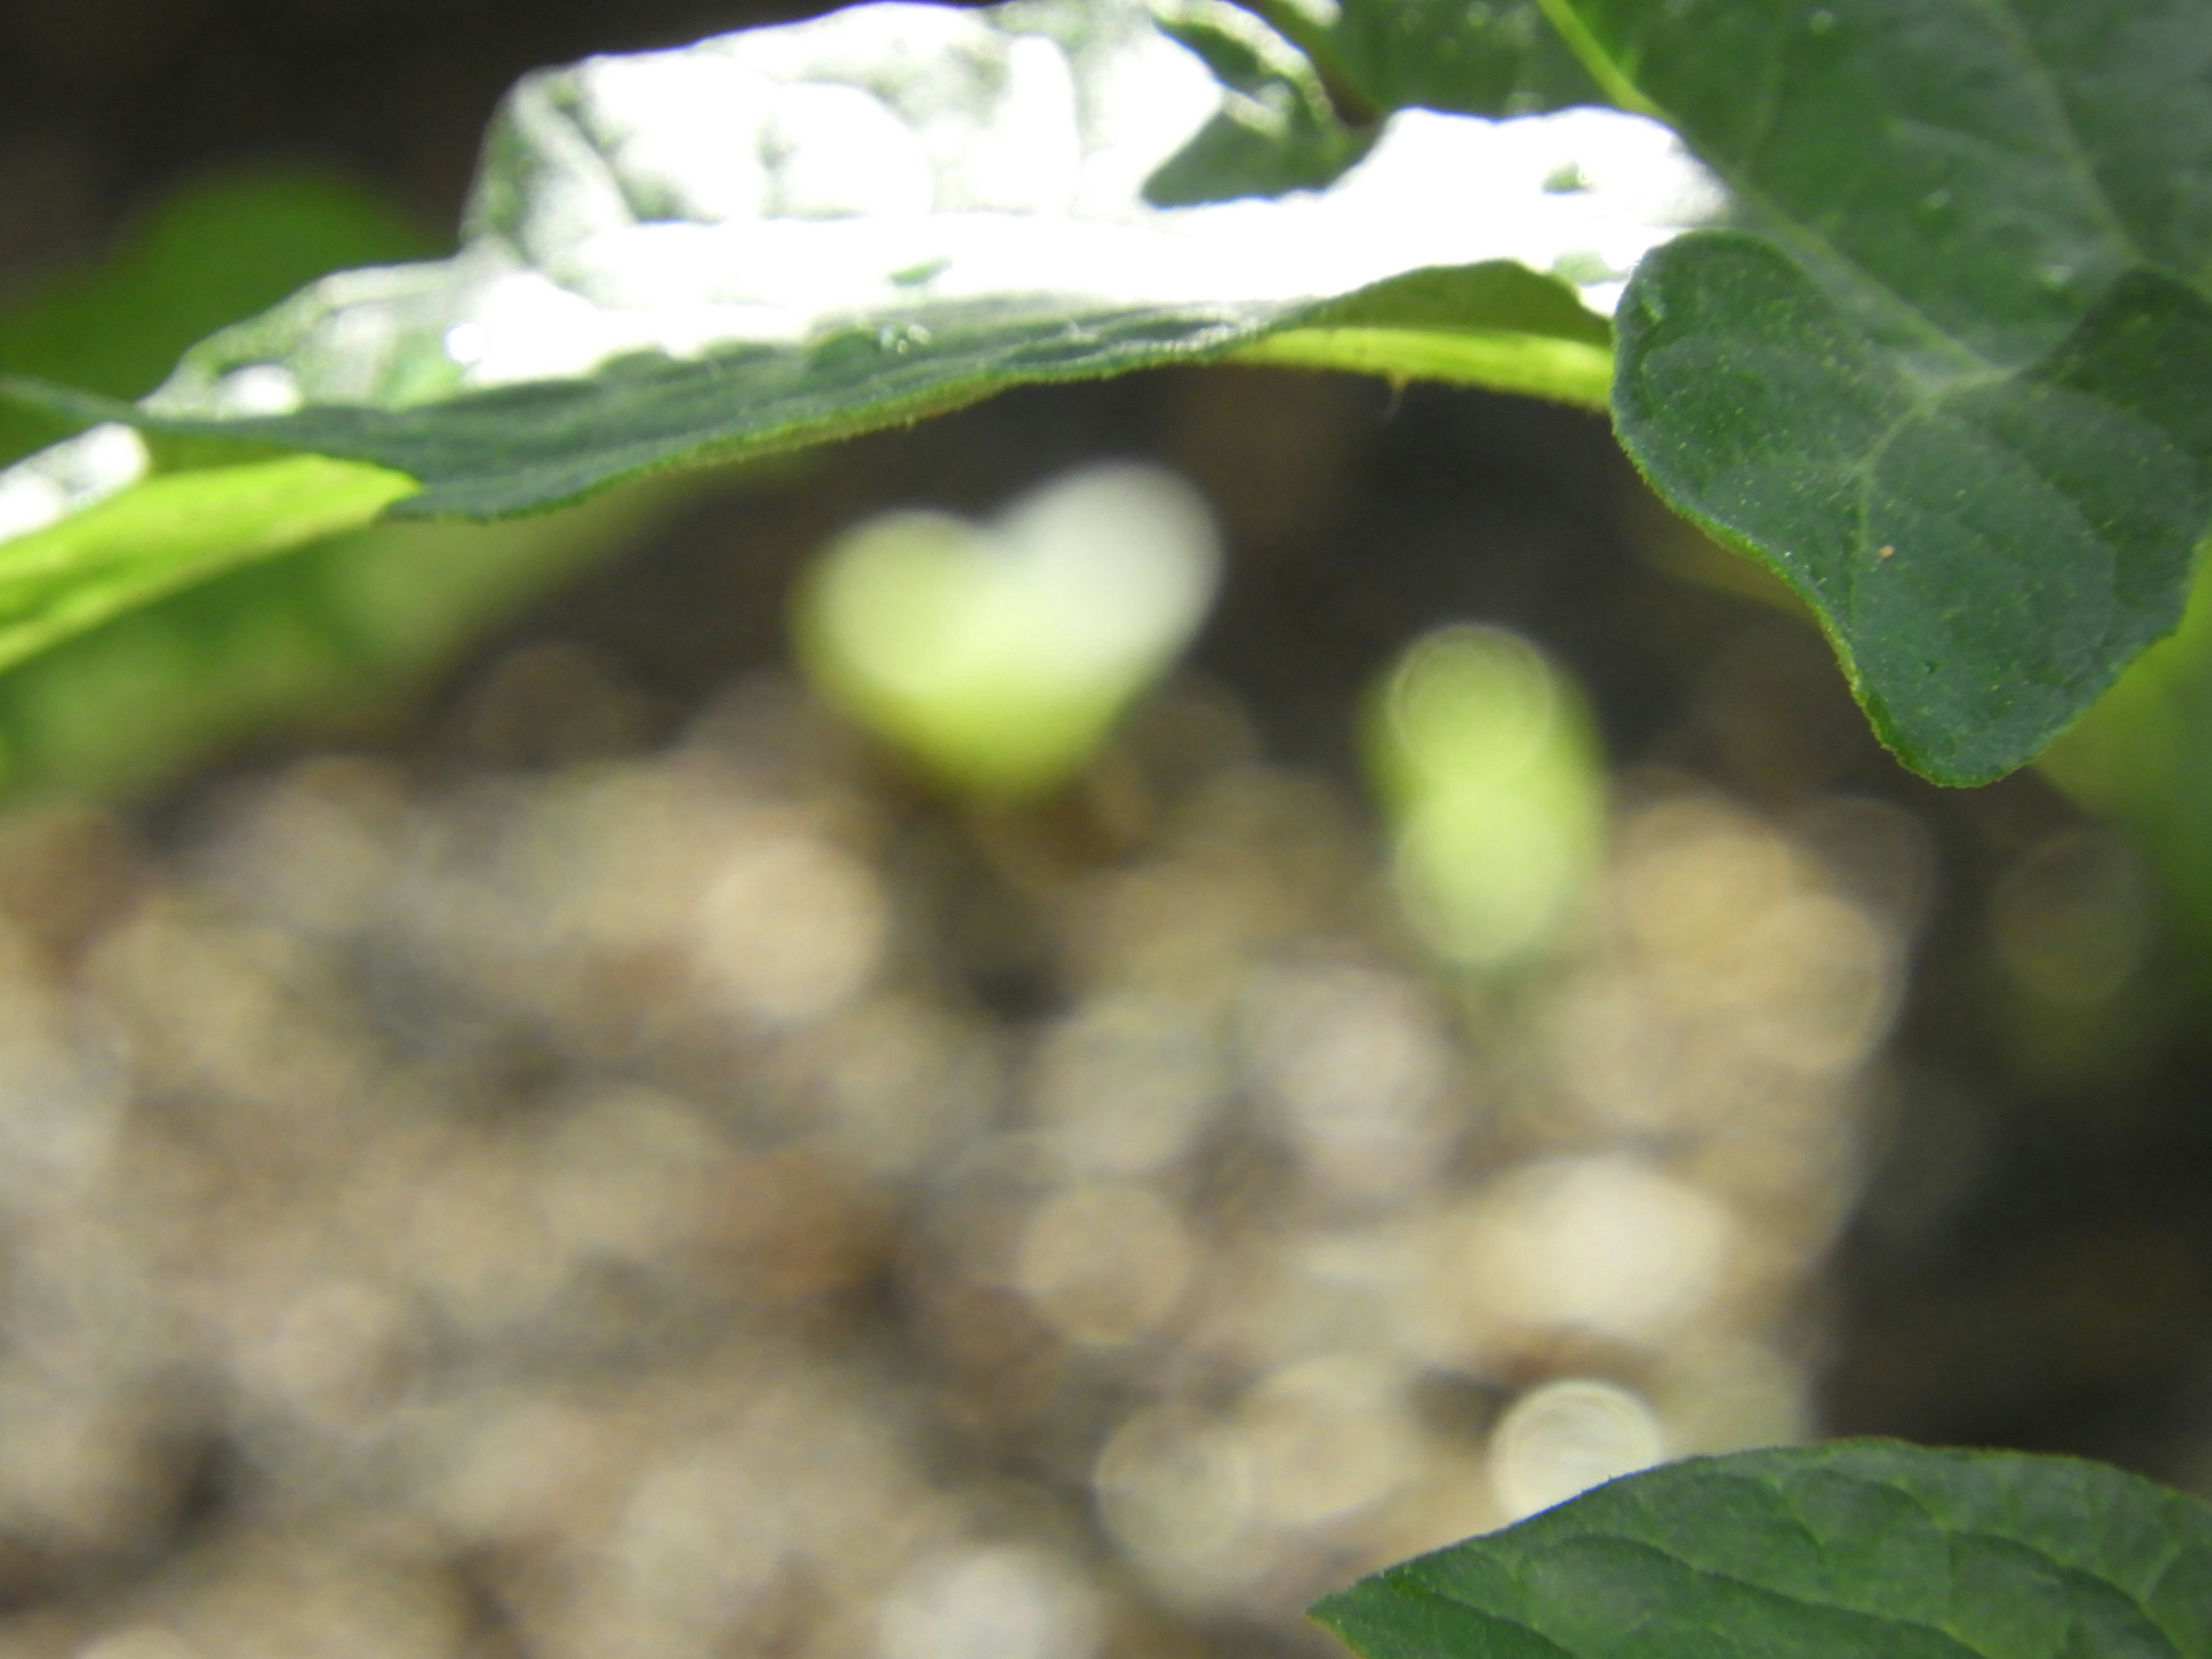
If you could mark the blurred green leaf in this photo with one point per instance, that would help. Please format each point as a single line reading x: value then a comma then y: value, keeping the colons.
x: 170, y: 531
x: 2143, y: 756
x: 147, y: 629
x: 1836, y: 1552
x: 329, y: 639
x: 217, y: 251
x: 999, y: 656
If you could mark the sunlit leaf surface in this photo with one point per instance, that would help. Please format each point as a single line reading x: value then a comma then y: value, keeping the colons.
x: 789, y: 234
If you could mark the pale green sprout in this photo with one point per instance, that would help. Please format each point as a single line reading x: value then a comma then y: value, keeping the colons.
x: 997, y: 657
x: 1490, y: 775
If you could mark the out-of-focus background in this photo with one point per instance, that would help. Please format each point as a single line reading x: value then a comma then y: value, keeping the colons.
x: 579, y: 1148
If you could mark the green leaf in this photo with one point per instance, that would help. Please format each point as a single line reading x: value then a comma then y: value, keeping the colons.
x: 218, y: 250
x: 171, y: 531
x: 1839, y: 1551
x: 1467, y: 57
x: 326, y: 641
x: 2143, y: 756
x: 780, y: 237
x: 1261, y: 147
x: 1945, y: 374
x: 519, y: 449
x: 1278, y: 129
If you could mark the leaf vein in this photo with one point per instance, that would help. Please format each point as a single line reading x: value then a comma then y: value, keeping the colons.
x: 2006, y: 16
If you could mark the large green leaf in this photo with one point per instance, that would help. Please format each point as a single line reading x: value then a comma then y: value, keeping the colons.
x: 1841, y: 1551
x: 516, y: 448
x: 787, y: 236
x: 1945, y: 373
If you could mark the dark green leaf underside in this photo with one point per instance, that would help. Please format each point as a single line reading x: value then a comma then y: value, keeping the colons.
x: 1841, y: 1551
x: 520, y: 448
